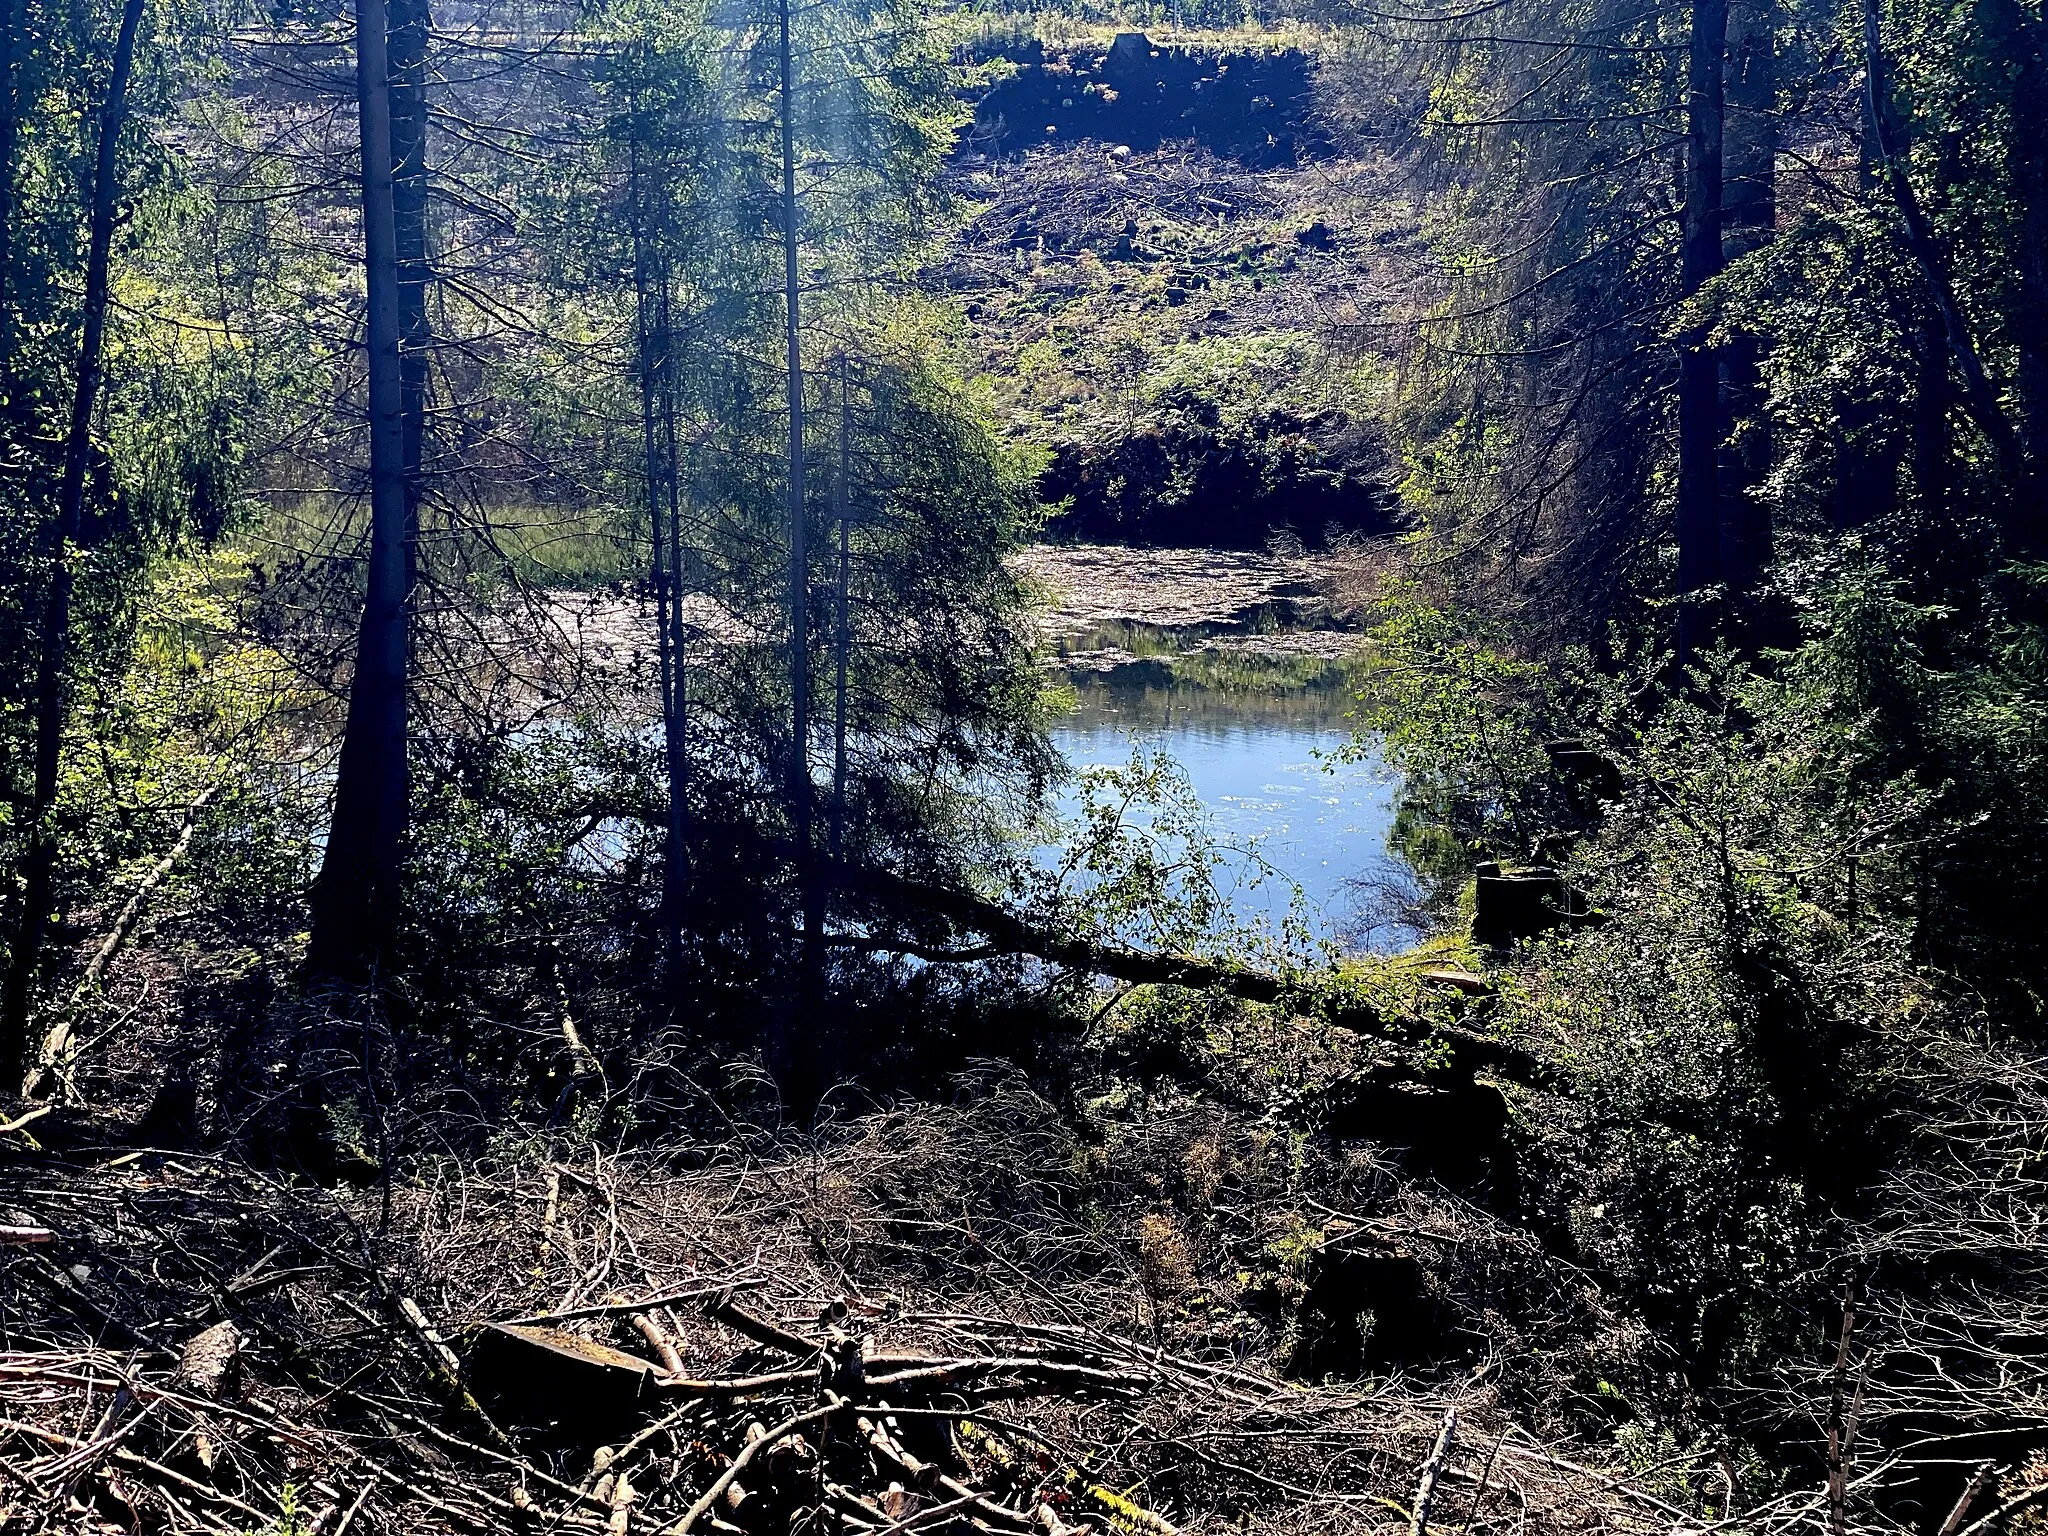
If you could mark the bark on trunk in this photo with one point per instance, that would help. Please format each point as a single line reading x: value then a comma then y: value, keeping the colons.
x: 658, y: 457
x: 355, y: 901
x: 409, y: 24
x: 1750, y: 224
x: 9, y: 121
x: 792, y: 1064
x: 1932, y: 396
x: 842, y: 638
x: 2025, y: 42
x: 39, y: 866
x: 1009, y: 934
x: 1699, y: 371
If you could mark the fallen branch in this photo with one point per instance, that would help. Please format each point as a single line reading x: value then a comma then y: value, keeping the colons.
x: 1432, y: 1471
x: 58, y: 1039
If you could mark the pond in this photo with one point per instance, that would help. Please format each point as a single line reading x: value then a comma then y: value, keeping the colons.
x: 1261, y: 765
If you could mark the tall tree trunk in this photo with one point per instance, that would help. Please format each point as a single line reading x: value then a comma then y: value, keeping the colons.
x: 1932, y: 395
x: 2024, y: 41
x: 39, y: 865
x: 1751, y: 220
x: 9, y: 133
x: 658, y: 454
x: 409, y: 24
x: 676, y: 724
x: 355, y: 900
x: 842, y: 639
x: 793, y: 1064
x: 1699, y: 371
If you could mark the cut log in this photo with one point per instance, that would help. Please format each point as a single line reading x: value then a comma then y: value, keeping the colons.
x: 545, y: 1378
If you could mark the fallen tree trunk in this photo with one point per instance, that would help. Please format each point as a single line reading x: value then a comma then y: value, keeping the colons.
x: 1009, y: 934
x: 1005, y: 933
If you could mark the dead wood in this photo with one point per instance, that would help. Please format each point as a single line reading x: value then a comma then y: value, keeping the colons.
x: 975, y: 1364
x: 57, y: 1041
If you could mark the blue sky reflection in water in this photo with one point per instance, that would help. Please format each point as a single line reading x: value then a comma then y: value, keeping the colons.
x: 1253, y: 762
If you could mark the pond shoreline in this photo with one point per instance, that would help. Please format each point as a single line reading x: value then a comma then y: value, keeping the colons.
x: 1230, y: 619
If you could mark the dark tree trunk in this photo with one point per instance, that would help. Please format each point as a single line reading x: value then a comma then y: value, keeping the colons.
x: 842, y: 638
x: 355, y: 900
x: 410, y: 22
x: 1751, y: 220
x: 1699, y: 371
x: 658, y: 456
x: 1932, y: 397
x: 9, y: 125
x: 2024, y: 42
x: 796, y: 1068
x: 39, y: 865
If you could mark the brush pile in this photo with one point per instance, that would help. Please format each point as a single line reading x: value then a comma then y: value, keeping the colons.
x: 895, y: 1326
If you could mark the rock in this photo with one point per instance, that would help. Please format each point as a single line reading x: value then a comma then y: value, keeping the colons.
x: 1121, y: 152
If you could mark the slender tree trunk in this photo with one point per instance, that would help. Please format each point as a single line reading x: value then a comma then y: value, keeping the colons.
x: 410, y: 23
x: 355, y: 900
x: 676, y: 726
x: 1751, y: 220
x: 801, y: 788
x: 2025, y: 43
x: 39, y: 866
x: 657, y: 428
x: 1699, y: 381
x: 842, y: 637
x: 9, y: 132
x: 1931, y: 399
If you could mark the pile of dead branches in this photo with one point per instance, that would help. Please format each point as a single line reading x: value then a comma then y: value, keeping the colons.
x: 927, y: 1319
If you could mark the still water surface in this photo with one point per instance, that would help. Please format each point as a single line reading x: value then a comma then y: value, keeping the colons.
x: 1260, y: 765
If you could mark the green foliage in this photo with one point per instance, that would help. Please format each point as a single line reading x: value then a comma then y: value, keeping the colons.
x: 167, y: 459
x: 1463, y: 720
x: 1139, y: 866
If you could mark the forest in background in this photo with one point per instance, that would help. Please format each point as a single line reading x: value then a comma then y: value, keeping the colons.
x: 534, y: 983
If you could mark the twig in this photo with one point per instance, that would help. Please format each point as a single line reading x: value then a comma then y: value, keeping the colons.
x: 627, y: 1308
x: 59, y: 1035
